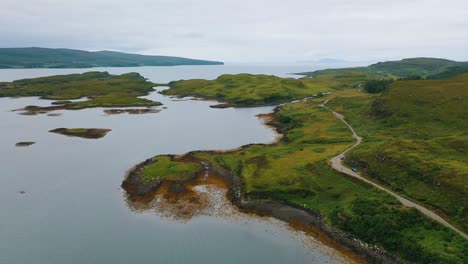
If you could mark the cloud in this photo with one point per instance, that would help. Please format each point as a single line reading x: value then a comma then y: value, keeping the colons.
x: 242, y: 30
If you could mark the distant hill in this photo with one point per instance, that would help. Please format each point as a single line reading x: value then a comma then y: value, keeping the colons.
x: 68, y: 58
x: 413, y: 67
x: 421, y: 67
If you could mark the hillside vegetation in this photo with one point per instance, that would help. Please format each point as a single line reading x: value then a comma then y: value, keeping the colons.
x: 102, y: 89
x: 451, y: 71
x: 68, y: 58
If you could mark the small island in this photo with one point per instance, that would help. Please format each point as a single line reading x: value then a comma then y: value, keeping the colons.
x: 25, y: 143
x: 90, y: 133
x: 100, y: 88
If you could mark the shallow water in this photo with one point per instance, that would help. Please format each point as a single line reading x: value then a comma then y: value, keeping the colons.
x: 74, y: 211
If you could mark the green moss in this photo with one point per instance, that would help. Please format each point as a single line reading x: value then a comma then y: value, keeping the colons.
x: 164, y: 168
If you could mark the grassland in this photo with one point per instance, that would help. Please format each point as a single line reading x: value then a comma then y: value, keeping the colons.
x: 248, y: 90
x: 416, y: 141
x: 102, y: 89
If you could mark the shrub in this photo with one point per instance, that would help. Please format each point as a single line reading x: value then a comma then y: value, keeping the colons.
x: 377, y: 86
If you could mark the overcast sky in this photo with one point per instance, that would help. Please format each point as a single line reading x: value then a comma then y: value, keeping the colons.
x: 267, y: 31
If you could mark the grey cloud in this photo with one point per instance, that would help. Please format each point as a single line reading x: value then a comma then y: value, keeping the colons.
x: 243, y: 30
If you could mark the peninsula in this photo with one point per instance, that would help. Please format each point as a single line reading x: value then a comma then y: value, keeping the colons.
x: 11, y: 58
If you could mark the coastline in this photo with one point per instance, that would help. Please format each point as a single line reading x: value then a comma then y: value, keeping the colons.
x: 297, y: 217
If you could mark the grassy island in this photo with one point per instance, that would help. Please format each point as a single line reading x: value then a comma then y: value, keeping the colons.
x: 102, y: 89
x: 91, y: 133
x: 414, y: 142
x: 252, y: 90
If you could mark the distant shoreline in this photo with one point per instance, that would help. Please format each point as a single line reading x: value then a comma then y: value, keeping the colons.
x: 45, y: 58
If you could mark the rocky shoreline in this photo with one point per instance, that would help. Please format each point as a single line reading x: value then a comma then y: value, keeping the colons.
x: 302, y: 218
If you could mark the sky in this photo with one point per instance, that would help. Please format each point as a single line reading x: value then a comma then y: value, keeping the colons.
x: 244, y: 31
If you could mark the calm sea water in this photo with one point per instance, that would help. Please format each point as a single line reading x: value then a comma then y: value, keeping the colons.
x: 73, y: 209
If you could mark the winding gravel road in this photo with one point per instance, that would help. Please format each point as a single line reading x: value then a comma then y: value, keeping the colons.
x: 337, y: 164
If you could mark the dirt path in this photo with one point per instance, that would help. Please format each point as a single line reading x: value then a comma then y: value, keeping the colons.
x: 337, y: 164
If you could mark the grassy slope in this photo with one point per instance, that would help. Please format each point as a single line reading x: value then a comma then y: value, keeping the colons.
x: 296, y: 170
x: 67, y: 58
x: 413, y: 67
x: 419, y: 147
x: 247, y: 89
x: 104, y: 89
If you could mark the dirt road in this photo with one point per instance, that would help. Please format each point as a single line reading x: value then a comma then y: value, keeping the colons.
x: 337, y: 164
